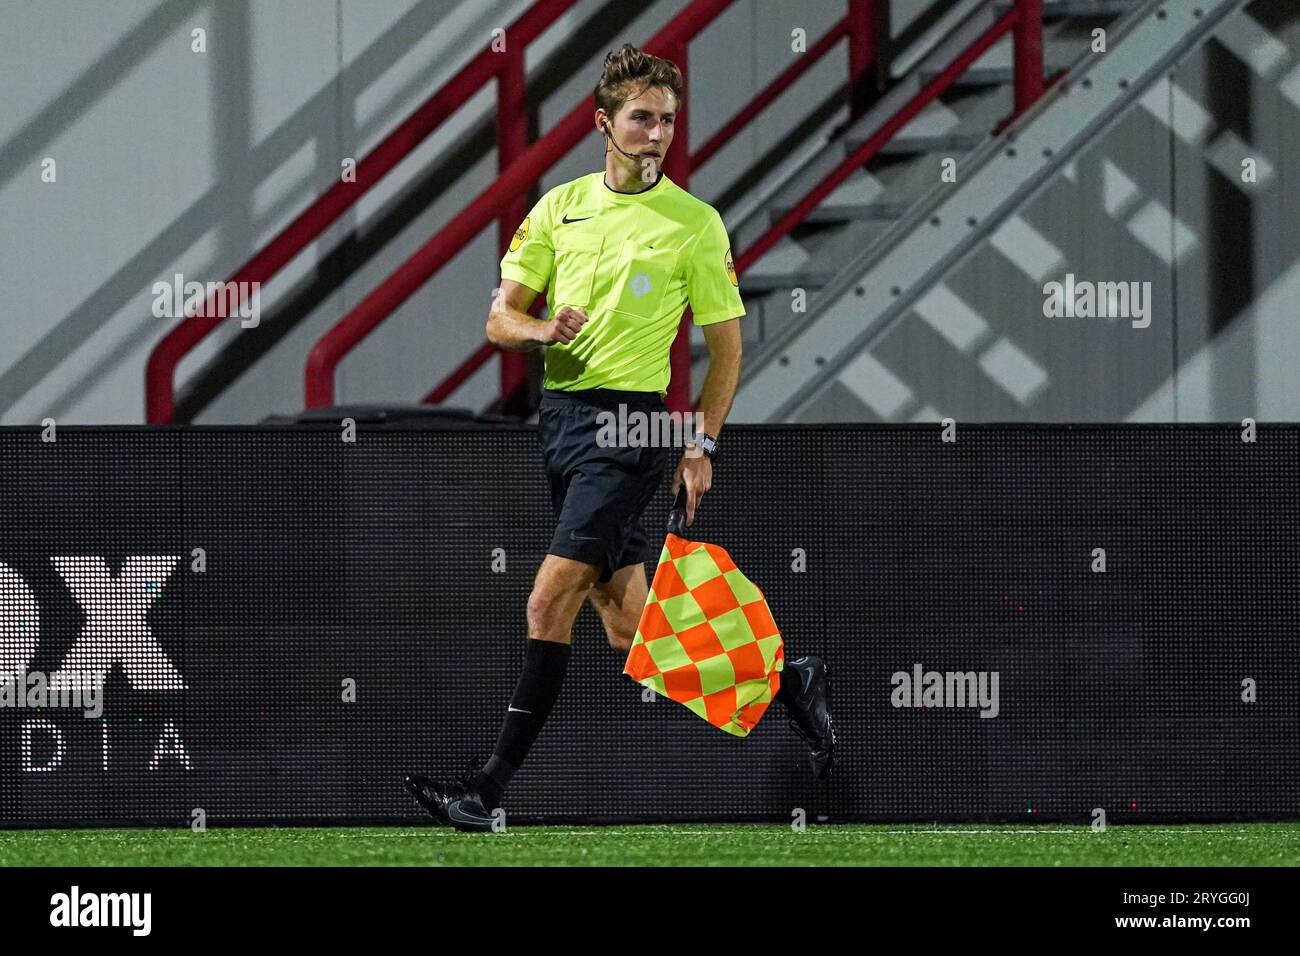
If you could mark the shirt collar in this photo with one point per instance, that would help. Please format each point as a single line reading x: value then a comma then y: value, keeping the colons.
x: 654, y: 189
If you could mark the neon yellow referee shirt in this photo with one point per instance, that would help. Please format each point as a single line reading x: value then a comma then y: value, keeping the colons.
x: 632, y: 262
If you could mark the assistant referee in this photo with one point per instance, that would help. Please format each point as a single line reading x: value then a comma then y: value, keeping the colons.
x: 622, y: 253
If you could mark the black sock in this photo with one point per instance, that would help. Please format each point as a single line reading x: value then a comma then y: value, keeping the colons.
x: 791, y: 684
x: 539, y: 685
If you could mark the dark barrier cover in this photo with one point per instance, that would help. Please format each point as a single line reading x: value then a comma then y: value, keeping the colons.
x: 360, y: 611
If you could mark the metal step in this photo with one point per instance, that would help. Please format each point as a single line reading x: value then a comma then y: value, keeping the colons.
x: 848, y: 212
x: 1060, y: 9
x: 919, y: 145
x: 773, y: 281
x: 977, y: 77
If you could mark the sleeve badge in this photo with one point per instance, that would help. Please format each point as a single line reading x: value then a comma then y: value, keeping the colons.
x: 521, y: 234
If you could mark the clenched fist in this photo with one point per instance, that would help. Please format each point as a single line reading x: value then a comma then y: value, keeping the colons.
x: 563, y: 326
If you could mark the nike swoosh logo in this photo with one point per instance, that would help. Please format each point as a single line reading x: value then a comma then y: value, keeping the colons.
x: 581, y: 537
x: 804, y: 698
x: 453, y: 812
x: 516, y: 710
x: 582, y: 219
x: 807, y: 696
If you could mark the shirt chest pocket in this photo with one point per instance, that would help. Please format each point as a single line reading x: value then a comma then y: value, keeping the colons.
x: 642, y: 278
x: 577, y: 254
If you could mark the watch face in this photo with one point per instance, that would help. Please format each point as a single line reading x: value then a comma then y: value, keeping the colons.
x: 706, y: 444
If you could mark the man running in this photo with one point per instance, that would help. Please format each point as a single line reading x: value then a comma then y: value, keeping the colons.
x: 621, y: 252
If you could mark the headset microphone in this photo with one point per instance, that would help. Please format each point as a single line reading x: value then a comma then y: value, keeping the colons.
x: 616, y: 146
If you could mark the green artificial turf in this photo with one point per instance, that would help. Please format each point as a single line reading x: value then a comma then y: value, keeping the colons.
x: 1257, y: 844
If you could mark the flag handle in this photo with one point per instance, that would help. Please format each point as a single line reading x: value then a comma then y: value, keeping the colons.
x: 677, y: 515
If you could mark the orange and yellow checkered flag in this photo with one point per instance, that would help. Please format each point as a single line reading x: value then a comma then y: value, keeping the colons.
x: 706, y: 637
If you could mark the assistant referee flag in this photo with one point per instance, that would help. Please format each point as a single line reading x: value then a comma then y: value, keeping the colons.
x: 706, y: 638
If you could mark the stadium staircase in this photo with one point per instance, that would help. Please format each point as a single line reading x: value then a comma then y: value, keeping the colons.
x: 856, y: 353
x: 894, y: 173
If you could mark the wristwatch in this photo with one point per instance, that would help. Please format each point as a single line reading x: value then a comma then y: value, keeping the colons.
x: 706, y: 443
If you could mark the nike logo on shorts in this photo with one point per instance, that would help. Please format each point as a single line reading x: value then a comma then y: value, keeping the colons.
x: 581, y: 537
x: 516, y: 710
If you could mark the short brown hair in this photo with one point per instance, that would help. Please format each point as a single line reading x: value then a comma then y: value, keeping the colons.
x: 629, y: 73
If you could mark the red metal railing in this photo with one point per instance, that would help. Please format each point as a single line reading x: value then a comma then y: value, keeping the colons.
x: 528, y: 167
x: 160, y: 372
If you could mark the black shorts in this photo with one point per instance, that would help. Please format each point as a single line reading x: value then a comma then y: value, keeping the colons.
x: 599, y: 493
